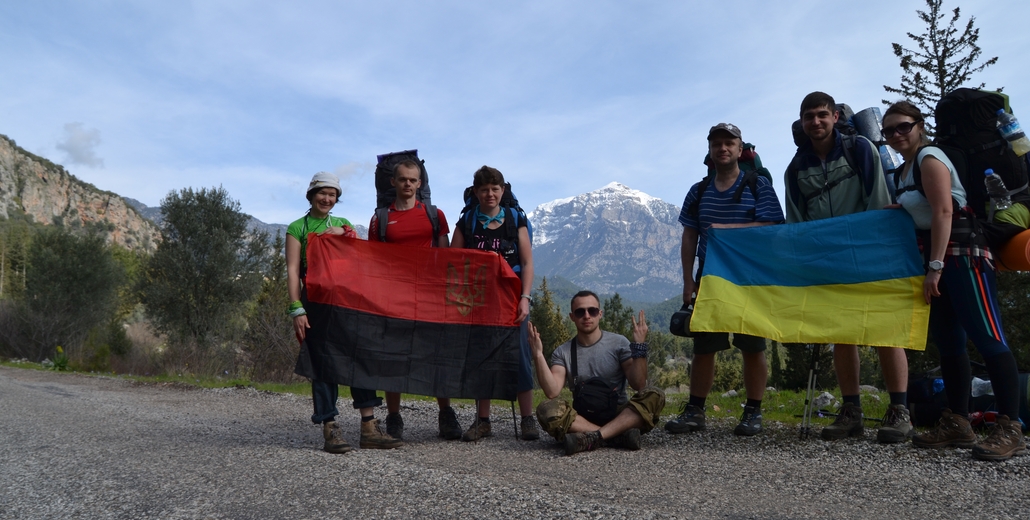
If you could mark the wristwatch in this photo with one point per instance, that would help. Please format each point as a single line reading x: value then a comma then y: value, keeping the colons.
x: 936, y: 265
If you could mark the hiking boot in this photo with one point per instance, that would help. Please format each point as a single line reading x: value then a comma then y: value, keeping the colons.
x: 627, y: 440
x: 1004, y: 441
x: 530, y: 431
x: 477, y: 430
x: 896, y: 426
x: 750, y: 422
x: 449, y: 428
x: 577, y: 442
x: 334, y: 441
x: 374, y: 438
x: 951, y: 430
x: 395, y: 425
x: 847, y: 424
x: 690, y: 419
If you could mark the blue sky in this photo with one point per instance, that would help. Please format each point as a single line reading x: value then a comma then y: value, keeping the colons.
x: 142, y: 98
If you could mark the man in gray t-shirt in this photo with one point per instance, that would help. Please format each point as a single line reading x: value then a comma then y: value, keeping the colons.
x: 603, y: 359
x: 610, y: 361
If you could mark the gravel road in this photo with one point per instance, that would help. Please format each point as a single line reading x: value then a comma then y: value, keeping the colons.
x: 74, y: 446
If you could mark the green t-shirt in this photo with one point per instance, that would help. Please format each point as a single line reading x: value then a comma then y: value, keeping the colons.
x: 301, y: 227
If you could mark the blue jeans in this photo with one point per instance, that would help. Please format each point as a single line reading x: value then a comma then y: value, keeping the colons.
x: 324, y: 396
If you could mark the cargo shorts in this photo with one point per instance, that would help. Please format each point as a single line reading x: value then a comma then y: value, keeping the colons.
x: 557, y: 415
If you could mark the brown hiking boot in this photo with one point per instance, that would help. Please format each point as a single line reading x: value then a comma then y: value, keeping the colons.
x: 896, y: 425
x: 577, y: 442
x: 450, y: 429
x: 477, y: 430
x: 1005, y: 440
x: 847, y: 424
x: 627, y: 440
x: 334, y: 441
x: 373, y: 437
x: 951, y: 430
x: 530, y: 432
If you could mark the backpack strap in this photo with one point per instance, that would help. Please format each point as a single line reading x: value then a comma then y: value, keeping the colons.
x: 434, y: 220
x: 574, y: 371
x: 917, y: 182
x: 382, y: 218
x: 695, y: 207
x: 751, y: 181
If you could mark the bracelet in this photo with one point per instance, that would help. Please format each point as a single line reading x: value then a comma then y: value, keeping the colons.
x: 294, y: 305
x: 298, y: 312
x: 528, y: 297
x: 638, y: 350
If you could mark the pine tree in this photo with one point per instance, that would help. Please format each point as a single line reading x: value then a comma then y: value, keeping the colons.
x: 617, y: 317
x: 945, y: 60
x: 545, y: 315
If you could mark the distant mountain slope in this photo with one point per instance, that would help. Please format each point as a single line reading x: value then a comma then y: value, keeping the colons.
x: 36, y: 189
x: 614, y: 239
x: 253, y: 224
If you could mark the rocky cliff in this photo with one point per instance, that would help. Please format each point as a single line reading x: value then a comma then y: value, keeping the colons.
x: 34, y: 188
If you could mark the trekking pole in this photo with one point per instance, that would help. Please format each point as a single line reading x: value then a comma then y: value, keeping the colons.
x: 813, y: 370
x: 514, y: 422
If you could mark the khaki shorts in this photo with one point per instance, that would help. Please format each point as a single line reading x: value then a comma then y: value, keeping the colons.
x: 557, y: 415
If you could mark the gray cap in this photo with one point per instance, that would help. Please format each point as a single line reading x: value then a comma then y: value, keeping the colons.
x: 725, y: 127
x: 324, y: 180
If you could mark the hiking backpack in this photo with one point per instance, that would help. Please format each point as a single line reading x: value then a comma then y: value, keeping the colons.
x: 386, y: 194
x: 514, y: 214
x: 967, y: 132
x: 749, y: 163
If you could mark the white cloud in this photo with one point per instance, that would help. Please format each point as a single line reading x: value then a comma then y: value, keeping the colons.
x: 79, y: 145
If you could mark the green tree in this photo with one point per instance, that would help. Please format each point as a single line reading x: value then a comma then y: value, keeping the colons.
x: 72, y: 285
x: 944, y: 59
x: 15, y: 236
x: 203, y: 273
x: 797, y: 363
x: 617, y: 317
x: 545, y: 315
x: 269, y: 341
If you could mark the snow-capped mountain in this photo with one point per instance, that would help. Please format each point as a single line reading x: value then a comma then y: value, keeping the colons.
x: 614, y: 239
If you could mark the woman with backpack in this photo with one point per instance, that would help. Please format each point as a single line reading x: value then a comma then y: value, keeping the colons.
x: 959, y: 287
x: 491, y: 226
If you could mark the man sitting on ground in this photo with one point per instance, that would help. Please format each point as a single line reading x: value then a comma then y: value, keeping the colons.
x: 599, y: 364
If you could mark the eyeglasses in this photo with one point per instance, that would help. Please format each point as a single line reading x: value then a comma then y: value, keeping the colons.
x: 900, y: 129
x: 582, y: 311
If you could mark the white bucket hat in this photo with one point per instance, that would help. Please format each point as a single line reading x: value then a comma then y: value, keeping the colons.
x: 324, y: 180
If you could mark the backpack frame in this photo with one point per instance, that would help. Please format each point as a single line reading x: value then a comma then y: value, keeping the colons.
x: 386, y: 194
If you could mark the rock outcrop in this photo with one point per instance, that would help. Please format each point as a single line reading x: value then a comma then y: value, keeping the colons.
x: 41, y: 191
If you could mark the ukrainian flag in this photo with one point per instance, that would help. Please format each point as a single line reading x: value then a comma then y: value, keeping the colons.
x: 856, y: 279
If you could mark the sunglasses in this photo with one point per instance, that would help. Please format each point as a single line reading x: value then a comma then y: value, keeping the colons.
x: 901, y: 129
x: 582, y: 311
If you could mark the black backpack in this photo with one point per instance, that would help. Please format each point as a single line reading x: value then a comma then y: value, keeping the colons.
x: 967, y: 130
x: 749, y: 163
x: 386, y: 194
x: 511, y: 225
x: 967, y: 133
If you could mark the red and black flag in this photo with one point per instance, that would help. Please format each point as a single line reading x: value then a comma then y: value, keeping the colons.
x: 427, y: 321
